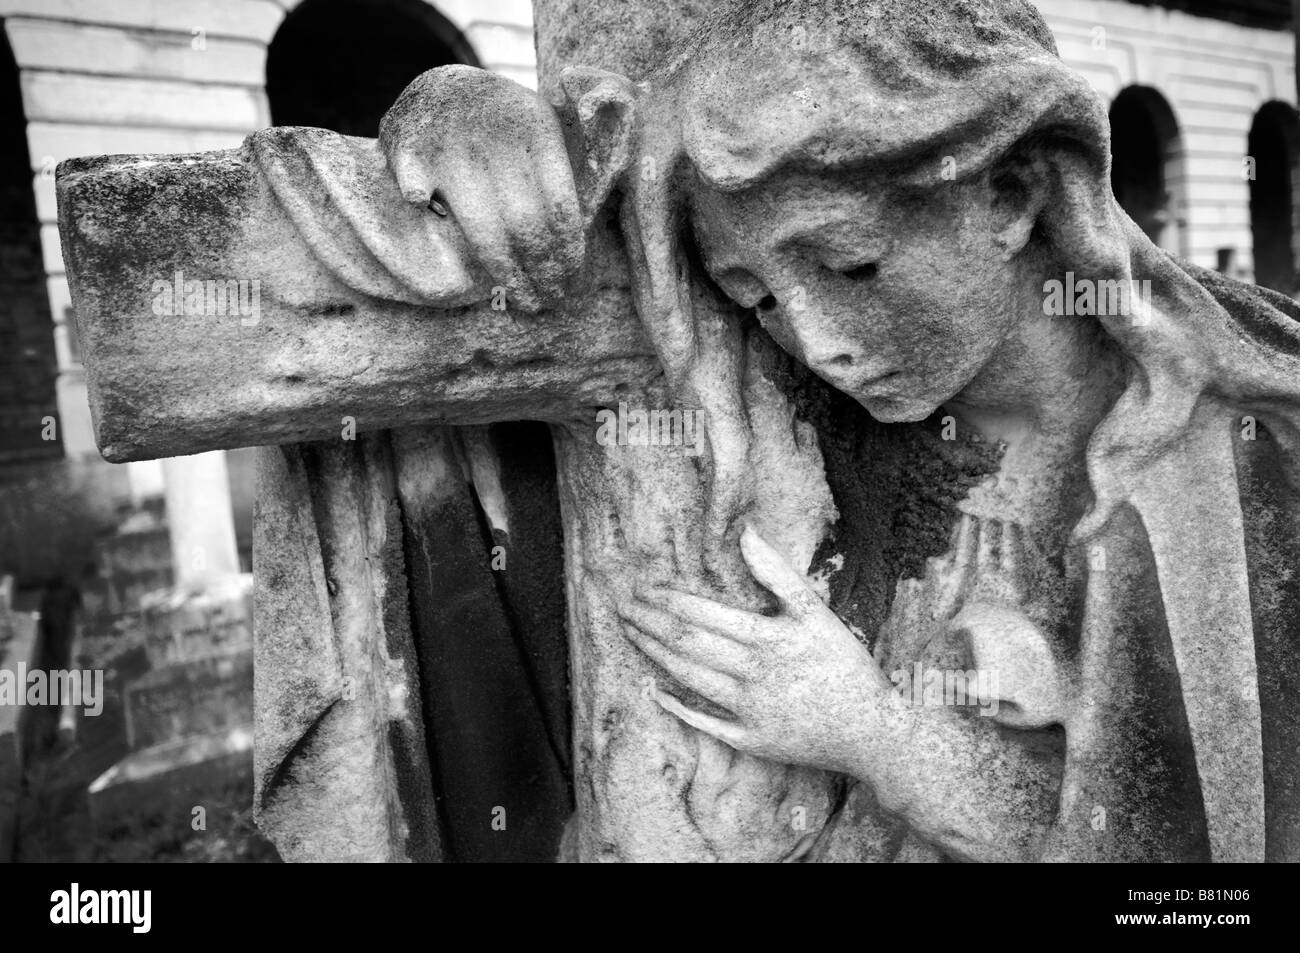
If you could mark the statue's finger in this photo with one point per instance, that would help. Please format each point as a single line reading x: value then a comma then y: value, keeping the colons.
x: 549, y: 251
x: 727, y: 732
x: 698, y: 645
x: 473, y: 201
x: 559, y: 193
x: 456, y: 184
x: 778, y: 576
x: 414, y: 174
x: 733, y: 623
x: 717, y: 687
x: 438, y: 101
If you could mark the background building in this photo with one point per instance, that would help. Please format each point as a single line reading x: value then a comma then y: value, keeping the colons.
x: 1203, y: 121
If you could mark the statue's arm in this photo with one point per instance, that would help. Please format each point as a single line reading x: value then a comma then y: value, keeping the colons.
x: 802, y: 689
x: 976, y: 789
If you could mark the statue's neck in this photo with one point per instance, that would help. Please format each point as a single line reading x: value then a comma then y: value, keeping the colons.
x: 1041, y: 396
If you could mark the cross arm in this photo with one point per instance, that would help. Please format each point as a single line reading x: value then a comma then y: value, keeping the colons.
x: 264, y: 294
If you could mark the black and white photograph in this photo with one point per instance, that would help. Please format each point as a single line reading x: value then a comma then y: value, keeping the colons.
x: 651, y: 431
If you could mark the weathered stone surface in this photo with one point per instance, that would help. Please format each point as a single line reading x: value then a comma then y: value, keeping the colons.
x: 387, y: 324
x: 341, y: 764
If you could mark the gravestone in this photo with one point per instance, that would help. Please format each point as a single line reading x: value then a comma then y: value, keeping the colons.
x: 135, y: 561
x: 20, y: 647
x: 202, y: 697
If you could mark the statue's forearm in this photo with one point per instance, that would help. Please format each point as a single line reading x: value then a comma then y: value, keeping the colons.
x: 964, y: 783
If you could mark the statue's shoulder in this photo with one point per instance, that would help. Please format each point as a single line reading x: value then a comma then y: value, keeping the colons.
x: 1268, y: 317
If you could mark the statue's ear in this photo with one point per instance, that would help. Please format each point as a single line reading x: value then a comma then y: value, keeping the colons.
x: 1061, y: 186
x: 1022, y: 188
x: 600, y: 119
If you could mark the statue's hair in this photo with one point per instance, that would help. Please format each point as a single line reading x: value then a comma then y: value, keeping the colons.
x: 826, y: 85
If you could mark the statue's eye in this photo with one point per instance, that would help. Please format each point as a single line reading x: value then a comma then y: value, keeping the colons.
x: 744, y: 288
x: 861, y: 272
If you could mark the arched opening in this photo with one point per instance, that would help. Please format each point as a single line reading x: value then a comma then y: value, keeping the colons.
x: 339, y: 64
x: 1273, y: 162
x: 489, y: 634
x: 1147, y: 166
x: 28, y: 365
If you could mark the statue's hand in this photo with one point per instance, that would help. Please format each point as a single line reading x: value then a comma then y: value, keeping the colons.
x: 490, y: 153
x: 799, y: 685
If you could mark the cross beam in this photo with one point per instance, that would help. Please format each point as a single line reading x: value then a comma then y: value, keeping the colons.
x: 276, y: 292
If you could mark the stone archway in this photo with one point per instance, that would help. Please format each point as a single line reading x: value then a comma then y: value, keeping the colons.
x: 339, y: 64
x: 1147, y: 165
x: 486, y: 591
x: 1273, y: 157
x: 28, y: 365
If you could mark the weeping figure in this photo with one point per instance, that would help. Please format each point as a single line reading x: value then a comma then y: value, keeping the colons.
x: 914, y: 201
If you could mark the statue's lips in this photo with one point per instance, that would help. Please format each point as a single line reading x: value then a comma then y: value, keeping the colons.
x: 881, y: 380
x: 859, y: 385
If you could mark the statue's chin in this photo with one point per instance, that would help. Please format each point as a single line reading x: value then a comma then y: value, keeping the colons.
x: 897, y: 410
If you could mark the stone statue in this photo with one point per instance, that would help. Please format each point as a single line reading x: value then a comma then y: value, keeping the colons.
x: 1127, y: 513
x: 989, y: 551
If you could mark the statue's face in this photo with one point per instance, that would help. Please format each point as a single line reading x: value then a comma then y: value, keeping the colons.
x: 898, y: 302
